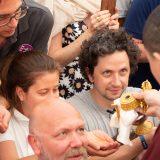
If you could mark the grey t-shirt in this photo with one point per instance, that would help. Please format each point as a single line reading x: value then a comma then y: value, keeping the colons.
x: 96, y: 117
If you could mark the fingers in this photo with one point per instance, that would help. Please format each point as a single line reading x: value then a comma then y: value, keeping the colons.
x: 138, y: 95
x: 96, y: 139
x: 3, y: 127
x: 4, y: 119
x: 113, y: 25
x: 114, y: 16
x: 102, y: 135
x: 101, y: 153
x: 109, y: 146
x: 100, y: 19
x: 101, y: 13
x: 152, y: 99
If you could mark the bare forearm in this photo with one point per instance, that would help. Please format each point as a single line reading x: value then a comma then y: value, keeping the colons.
x: 125, y: 151
x: 67, y: 54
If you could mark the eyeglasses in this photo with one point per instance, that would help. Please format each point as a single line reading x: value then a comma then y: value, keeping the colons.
x: 20, y: 13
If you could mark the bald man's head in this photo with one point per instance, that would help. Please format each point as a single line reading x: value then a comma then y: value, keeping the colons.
x: 57, y: 131
x: 51, y: 111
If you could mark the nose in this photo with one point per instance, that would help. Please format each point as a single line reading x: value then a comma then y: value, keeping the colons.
x: 76, y: 140
x: 116, y: 80
x: 13, y: 23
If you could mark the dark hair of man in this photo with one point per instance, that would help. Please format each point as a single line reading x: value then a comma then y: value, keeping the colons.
x: 151, y: 33
x: 22, y: 70
x: 106, y: 42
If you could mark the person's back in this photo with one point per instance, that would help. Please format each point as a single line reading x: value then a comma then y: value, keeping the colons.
x: 151, y: 38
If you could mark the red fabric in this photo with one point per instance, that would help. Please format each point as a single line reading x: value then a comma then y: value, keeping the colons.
x: 153, y: 152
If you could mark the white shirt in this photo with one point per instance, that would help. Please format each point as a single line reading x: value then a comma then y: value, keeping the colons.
x: 122, y: 7
x: 18, y: 132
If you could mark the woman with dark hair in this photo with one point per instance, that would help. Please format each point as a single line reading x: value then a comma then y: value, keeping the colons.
x: 26, y: 80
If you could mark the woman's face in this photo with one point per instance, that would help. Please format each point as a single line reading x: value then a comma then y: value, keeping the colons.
x: 45, y: 86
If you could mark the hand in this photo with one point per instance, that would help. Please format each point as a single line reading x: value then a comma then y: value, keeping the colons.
x: 99, y: 20
x: 114, y: 24
x: 4, y: 119
x: 152, y: 99
x: 100, y: 144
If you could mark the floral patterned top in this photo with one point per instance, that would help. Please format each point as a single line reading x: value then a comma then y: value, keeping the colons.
x: 71, y: 80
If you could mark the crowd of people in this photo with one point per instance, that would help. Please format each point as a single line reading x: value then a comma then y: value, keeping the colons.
x: 62, y: 65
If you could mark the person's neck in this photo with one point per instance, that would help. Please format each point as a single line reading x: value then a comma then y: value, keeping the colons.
x: 100, y: 100
x: 23, y: 110
x: 2, y: 42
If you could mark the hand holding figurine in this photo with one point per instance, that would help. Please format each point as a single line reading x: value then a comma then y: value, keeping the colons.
x: 152, y: 99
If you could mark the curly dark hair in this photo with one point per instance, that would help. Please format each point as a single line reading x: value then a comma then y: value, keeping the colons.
x: 105, y: 42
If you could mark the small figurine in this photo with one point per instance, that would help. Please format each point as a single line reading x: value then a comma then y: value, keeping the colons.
x: 126, y: 115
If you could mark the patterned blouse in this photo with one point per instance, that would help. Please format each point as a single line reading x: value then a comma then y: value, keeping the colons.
x: 71, y: 79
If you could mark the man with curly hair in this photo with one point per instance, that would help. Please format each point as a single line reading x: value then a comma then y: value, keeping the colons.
x: 106, y: 61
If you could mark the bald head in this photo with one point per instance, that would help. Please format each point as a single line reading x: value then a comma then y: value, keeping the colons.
x: 51, y: 112
x: 57, y: 131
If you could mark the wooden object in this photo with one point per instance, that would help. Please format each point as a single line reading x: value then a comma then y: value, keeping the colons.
x: 109, y: 5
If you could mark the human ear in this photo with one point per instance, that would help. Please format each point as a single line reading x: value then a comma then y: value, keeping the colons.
x: 20, y: 93
x: 90, y: 77
x: 34, y: 143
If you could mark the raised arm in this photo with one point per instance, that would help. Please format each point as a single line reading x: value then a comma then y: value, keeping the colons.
x: 67, y: 54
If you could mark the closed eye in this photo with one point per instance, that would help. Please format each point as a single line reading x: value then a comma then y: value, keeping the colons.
x: 43, y: 92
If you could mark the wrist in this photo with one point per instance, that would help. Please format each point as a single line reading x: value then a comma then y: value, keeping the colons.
x: 143, y: 142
